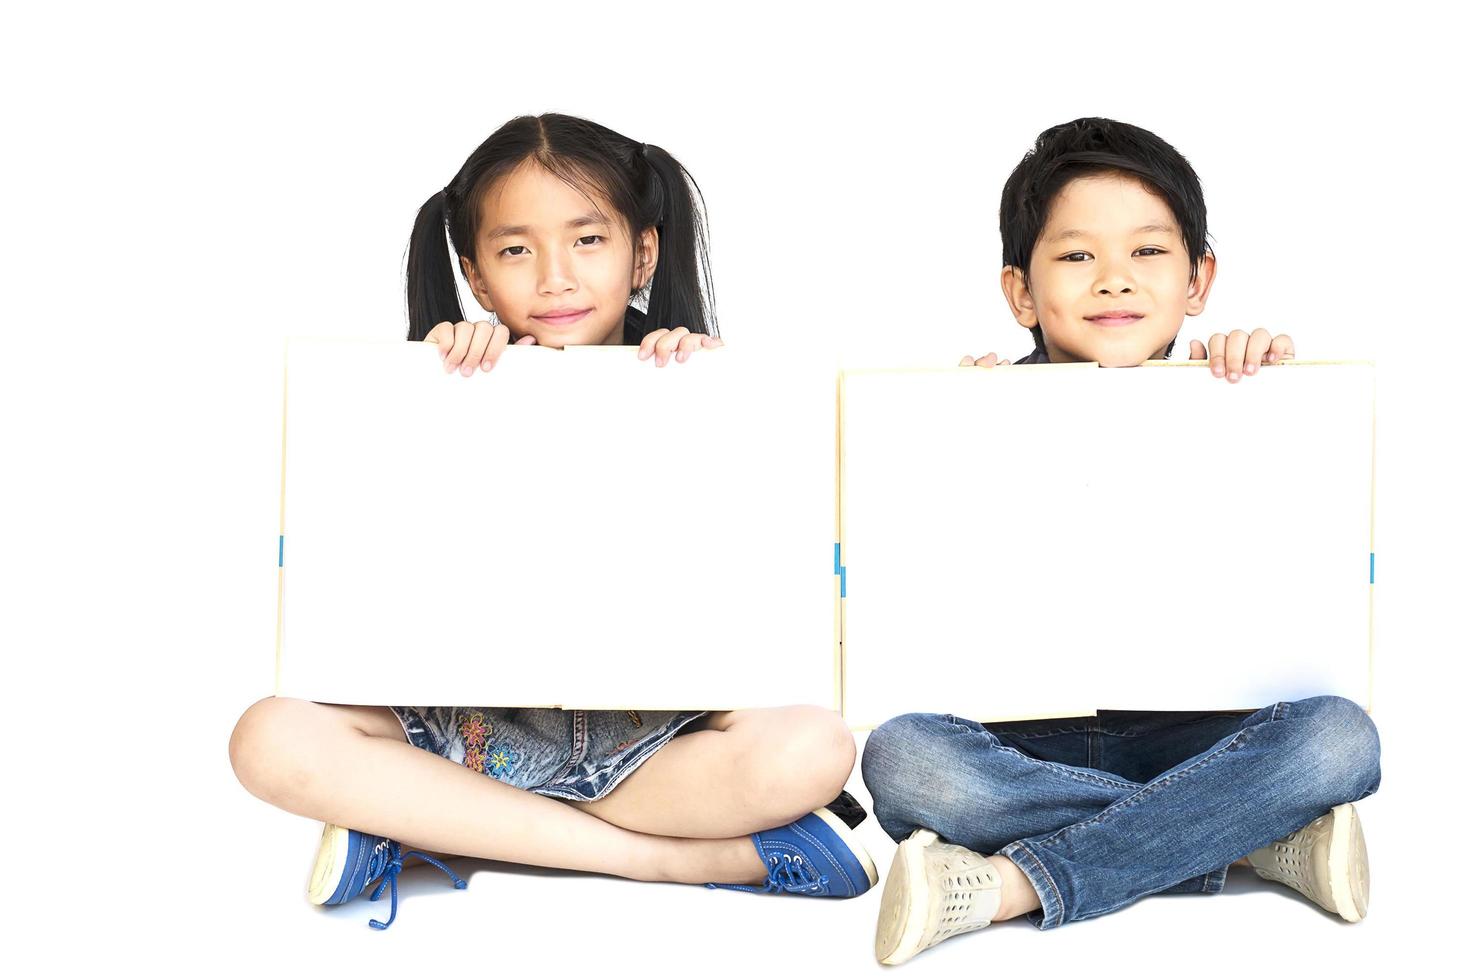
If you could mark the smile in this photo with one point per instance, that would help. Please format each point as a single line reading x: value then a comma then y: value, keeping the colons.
x: 1114, y: 318
x: 561, y: 318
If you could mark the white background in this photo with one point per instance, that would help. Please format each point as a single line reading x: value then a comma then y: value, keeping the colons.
x: 184, y: 187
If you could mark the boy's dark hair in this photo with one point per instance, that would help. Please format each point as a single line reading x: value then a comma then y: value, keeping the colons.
x: 647, y: 187
x: 1086, y: 147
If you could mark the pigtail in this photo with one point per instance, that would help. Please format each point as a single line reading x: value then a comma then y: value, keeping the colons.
x: 681, y: 293
x: 433, y: 295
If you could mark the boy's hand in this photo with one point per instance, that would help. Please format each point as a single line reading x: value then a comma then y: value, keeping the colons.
x: 678, y: 343
x: 464, y: 345
x: 987, y: 361
x: 1240, y: 353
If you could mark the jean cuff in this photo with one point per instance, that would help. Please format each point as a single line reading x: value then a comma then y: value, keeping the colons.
x: 1215, y: 881
x: 1052, y: 907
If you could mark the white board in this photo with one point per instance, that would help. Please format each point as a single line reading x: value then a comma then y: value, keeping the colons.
x: 576, y: 528
x: 1048, y: 540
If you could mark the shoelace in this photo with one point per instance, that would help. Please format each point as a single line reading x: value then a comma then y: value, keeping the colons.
x: 389, y: 878
x: 792, y: 874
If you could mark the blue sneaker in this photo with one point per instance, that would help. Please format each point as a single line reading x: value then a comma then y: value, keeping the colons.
x: 347, y: 862
x: 816, y: 855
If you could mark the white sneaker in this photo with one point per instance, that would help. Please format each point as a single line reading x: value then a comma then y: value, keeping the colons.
x: 1327, y: 861
x: 935, y: 890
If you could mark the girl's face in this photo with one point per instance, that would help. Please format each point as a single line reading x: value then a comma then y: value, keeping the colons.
x: 555, y: 264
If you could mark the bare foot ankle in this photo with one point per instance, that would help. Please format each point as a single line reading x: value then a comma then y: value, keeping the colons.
x: 1017, y: 897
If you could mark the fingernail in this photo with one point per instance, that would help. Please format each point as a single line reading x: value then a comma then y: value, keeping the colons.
x: 1250, y: 369
x: 1234, y: 376
x: 1217, y: 370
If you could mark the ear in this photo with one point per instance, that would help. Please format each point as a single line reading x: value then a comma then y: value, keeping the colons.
x: 645, y: 258
x: 1018, y: 294
x: 477, y: 283
x: 1199, y: 290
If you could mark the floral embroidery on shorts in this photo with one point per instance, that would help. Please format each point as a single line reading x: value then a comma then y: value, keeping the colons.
x: 474, y: 729
x: 499, y: 762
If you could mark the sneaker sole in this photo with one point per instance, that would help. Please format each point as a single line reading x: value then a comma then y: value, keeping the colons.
x: 1347, y: 864
x: 331, y: 862
x: 846, y: 835
x: 900, y: 932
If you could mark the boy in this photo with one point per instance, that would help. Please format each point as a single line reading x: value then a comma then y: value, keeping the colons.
x: 1104, y: 245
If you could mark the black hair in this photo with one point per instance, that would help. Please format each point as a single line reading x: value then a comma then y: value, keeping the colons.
x: 1087, y: 147
x: 645, y: 185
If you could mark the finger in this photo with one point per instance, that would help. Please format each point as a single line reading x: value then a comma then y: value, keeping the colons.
x: 526, y: 341
x: 710, y: 343
x: 1282, y: 349
x: 687, y: 346
x: 1255, y: 349
x: 664, y: 349
x: 1005, y: 362
x: 1217, y: 354
x: 645, y: 349
x: 479, y: 340
x: 443, y: 337
x: 1235, y: 354
x: 967, y: 361
x: 495, y: 348
x: 463, y: 334
x: 987, y: 361
x: 1197, y: 351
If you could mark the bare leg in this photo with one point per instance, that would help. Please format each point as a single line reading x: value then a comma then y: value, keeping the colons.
x: 745, y: 771
x: 351, y: 766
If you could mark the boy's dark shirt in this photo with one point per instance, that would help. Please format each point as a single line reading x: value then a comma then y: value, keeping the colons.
x: 1038, y: 356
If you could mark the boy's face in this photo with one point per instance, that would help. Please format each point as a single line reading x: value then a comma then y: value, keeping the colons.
x: 1110, y: 276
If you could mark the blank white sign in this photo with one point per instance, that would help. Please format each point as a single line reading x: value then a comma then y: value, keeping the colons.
x: 1048, y: 540
x: 576, y: 528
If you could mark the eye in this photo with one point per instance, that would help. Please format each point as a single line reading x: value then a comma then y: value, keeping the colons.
x: 589, y: 240
x: 1150, y: 250
x: 512, y: 250
x: 1075, y: 257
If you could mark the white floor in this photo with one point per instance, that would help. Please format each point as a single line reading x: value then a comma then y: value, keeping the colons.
x: 227, y: 893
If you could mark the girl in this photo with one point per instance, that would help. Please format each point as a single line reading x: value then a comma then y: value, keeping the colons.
x: 557, y: 223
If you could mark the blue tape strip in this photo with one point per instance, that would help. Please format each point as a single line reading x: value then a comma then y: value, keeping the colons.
x: 839, y: 569
x: 1370, y: 568
x: 281, y: 554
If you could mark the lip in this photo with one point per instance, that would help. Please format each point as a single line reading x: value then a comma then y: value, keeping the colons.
x: 1114, y: 318
x: 561, y: 318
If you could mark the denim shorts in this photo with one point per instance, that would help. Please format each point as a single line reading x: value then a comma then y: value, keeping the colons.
x: 571, y: 755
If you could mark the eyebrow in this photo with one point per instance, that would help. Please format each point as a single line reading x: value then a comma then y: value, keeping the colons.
x: 582, y: 221
x: 1079, y: 233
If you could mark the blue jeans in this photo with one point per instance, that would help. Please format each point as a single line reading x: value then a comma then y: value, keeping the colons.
x: 1099, y: 812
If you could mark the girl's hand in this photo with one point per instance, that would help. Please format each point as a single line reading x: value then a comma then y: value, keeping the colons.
x: 1239, y: 353
x: 464, y: 345
x: 987, y: 361
x: 679, y: 343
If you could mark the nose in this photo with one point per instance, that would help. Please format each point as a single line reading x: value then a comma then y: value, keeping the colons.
x: 1113, y: 279
x: 554, y: 273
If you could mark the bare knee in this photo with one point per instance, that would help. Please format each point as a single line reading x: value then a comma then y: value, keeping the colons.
x: 801, y: 758
x: 270, y: 748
